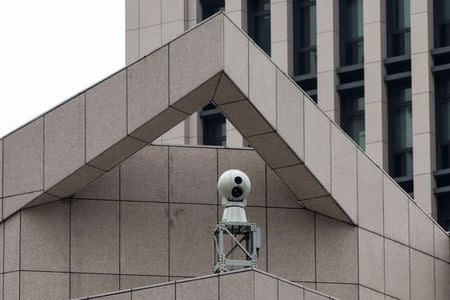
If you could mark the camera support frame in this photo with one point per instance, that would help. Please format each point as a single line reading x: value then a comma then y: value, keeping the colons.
x: 245, y: 240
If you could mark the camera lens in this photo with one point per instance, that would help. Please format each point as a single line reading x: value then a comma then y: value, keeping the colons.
x: 238, y: 180
x: 236, y: 192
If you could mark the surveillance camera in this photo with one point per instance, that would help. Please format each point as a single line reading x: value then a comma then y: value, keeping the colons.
x: 234, y: 187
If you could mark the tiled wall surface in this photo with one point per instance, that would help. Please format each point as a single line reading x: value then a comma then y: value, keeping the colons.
x: 150, y: 219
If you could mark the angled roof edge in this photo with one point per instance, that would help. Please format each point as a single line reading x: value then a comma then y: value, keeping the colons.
x: 86, y: 136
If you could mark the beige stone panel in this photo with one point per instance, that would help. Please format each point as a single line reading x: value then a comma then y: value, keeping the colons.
x: 82, y: 285
x: 204, y: 288
x: 317, y: 151
x: 138, y: 281
x: 170, y: 31
x: 282, y: 56
x: 326, y: 206
x: 442, y: 278
x: 266, y: 286
x: 105, y: 114
x: 378, y: 153
x: 163, y: 292
x: 262, y: 84
x: 105, y: 187
x: 421, y: 78
x: 341, y: 291
x: 370, y: 195
x: 120, y: 296
x: 173, y: 10
x: 374, y: 11
x: 94, y: 236
x: 44, y: 285
x: 64, y: 140
x: 45, y: 232
x: 289, y: 291
x: 278, y: 194
x: 236, y: 54
x: 396, y: 216
x: 150, y: 12
x: 421, y: 31
x: 11, y: 286
x: 327, y: 54
x: 234, y: 138
x: 131, y: 14
x: 313, y: 295
x: 344, y: 172
x: 419, y: 6
x: 1, y: 168
x: 336, y: 251
x: 420, y: 229
x: 176, y: 132
x: 131, y: 46
x: 422, y: 275
x: 369, y: 294
x: 239, y: 17
x: 290, y: 115
x: 373, y: 45
x: 327, y: 96
x: 195, y: 57
x: 423, y: 113
x: 424, y: 152
x: 150, y: 39
x: 227, y: 92
x: 376, y: 122
x: 424, y: 192
x: 291, y: 252
x: 242, y: 283
x: 12, y: 244
x: 374, y: 86
x: 14, y: 203
x: 280, y: 15
x: 441, y: 243
x: 23, y: 153
x: 327, y: 16
x: 371, y: 260
x: 397, y: 278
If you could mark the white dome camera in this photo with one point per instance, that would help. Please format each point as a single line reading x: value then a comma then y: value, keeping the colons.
x: 234, y: 187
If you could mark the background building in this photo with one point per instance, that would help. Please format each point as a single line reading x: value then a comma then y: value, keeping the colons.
x: 380, y: 69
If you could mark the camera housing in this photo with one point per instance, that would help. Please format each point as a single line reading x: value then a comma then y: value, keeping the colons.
x: 234, y: 187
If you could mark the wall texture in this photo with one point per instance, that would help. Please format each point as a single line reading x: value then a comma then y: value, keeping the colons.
x: 150, y: 219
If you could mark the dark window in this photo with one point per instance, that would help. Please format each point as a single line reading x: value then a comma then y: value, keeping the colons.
x: 443, y: 122
x: 305, y: 45
x: 214, y: 130
x: 400, y: 130
x: 259, y: 23
x: 398, y: 26
x: 352, y: 116
x: 210, y: 7
x: 442, y: 23
x: 443, y: 211
x: 351, y: 32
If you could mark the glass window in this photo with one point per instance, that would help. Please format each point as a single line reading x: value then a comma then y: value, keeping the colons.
x: 305, y: 44
x: 259, y: 23
x: 443, y: 211
x: 442, y: 23
x: 400, y: 130
x: 352, y: 117
x: 351, y: 32
x: 214, y: 126
x: 210, y: 7
x: 399, y: 32
x: 443, y: 122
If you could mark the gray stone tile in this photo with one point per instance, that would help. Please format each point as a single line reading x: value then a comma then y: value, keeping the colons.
x: 317, y: 150
x: 291, y: 252
x: 14, y: 203
x: 117, y: 153
x: 266, y: 287
x: 119, y: 296
x: 201, y: 188
x: 2, y: 247
x: 149, y: 12
x: 237, y: 286
x: 442, y: 278
x: 105, y: 187
x: 144, y: 238
x: 144, y: 176
x: 64, y: 140
x: 42, y: 198
x: 289, y: 291
x: 336, y: 251
x: 246, y: 118
x: 250, y: 163
x: 365, y: 293
x: 227, y: 91
x: 148, y: 80
x: 300, y: 180
x: 105, y: 115
x: 137, y: 281
x: 11, y: 286
x: 326, y: 206
x: 236, y: 54
x: 95, y: 236
x: 312, y: 295
x: 274, y: 150
x: 205, y: 288
x: 371, y: 259
x: 44, y: 285
x: 441, y: 244
x: 340, y: 291
x: 199, y: 97
x: 420, y: 229
x: 422, y: 275
x: 186, y: 243
x: 290, y: 105
x: 262, y: 84
x: 1, y: 168
x: 164, y: 292
x: 76, y: 181
x: 158, y: 125
x: 344, y: 172
x: 278, y: 194
x: 395, y: 211
x: 397, y: 269
x: 23, y: 159
x: 131, y: 14
x: 12, y: 243
x: 195, y: 57
x: 45, y: 231
x: 82, y: 285
x: 370, y: 195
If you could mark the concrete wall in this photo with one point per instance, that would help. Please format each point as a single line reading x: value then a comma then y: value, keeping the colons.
x: 150, y: 220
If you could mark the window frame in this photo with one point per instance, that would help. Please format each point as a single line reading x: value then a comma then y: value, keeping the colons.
x: 252, y: 15
x: 344, y: 41
x: 298, y: 5
x: 391, y: 31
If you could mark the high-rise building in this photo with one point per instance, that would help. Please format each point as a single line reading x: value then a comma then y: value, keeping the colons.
x: 378, y: 68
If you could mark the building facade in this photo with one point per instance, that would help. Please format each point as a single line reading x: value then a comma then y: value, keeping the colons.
x: 378, y: 68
